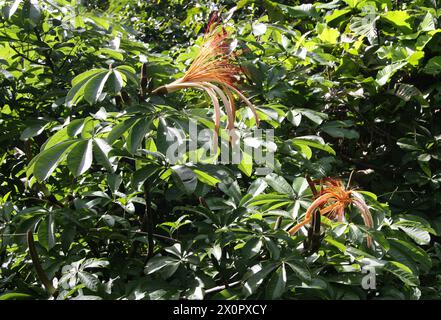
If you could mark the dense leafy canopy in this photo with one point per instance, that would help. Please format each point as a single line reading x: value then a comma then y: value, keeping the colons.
x: 91, y: 208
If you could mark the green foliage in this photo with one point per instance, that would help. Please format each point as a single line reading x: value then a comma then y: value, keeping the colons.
x: 347, y: 86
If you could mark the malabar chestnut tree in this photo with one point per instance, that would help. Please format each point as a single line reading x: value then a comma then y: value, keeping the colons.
x: 94, y: 95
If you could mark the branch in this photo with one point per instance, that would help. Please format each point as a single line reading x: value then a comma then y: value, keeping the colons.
x: 220, y: 288
x: 147, y: 221
x: 25, y: 57
x: 37, y: 265
x: 49, y: 62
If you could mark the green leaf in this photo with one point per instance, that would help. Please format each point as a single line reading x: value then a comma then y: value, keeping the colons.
x: 259, y: 29
x: 94, y: 87
x: 301, y: 187
x: 295, y: 117
x: 48, y: 160
x: 279, y: 184
x: 15, y: 296
x: 80, y: 157
x: 159, y: 263
x: 252, y: 247
x: 258, y: 274
x: 266, y: 199
x: 340, y: 246
x: 420, y: 236
x: 336, y: 14
x: 314, y: 142
x: 101, y: 151
x: 89, y: 280
x: 433, y: 66
x: 301, y: 11
x: 407, y: 91
x: 120, y: 129
x: 86, y: 76
x: 366, y: 26
x: 314, y: 116
x: 116, y: 81
x: 58, y: 137
x: 428, y: 23
x: 10, y: 10
x: 33, y: 130
x: 409, y: 254
x: 246, y: 164
x: 137, y: 134
x: 277, y: 283
x: 129, y: 73
x: 76, y: 127
x: 398, y: 18
x: 339, y: 129
x: 387, y: 72
x: 76, y: 93
x: 402, y: 272
x: 301, y: 271
x: 185, y: 178
x: 139, y: 176
x: 46, y: 232
x: 206, y: 178
x: 328, y: 35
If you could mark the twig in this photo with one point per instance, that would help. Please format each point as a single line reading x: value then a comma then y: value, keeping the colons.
x: 37, y: 265
x: 220, y: 288
x: 350, y: 179
x: 311, y: 186
x: 47, y: 56
x: 25, y: 57
x: 147, y: 221
x: 159, y: 236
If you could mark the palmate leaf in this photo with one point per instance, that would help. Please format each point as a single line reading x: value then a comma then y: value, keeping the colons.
x: 90, y: 85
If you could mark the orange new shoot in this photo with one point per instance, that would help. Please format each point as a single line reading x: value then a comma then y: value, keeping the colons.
x: 214, y: 72
x: 332, y: 201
